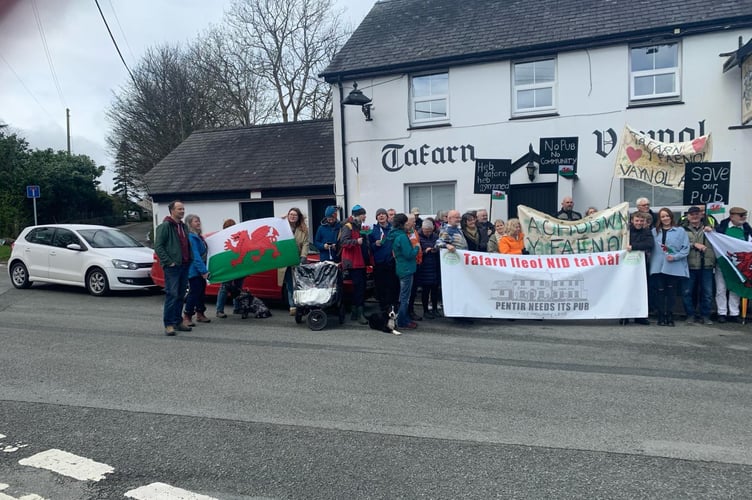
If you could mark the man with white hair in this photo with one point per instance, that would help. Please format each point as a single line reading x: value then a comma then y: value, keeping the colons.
x: 451, y: 236
x: 643, y: 205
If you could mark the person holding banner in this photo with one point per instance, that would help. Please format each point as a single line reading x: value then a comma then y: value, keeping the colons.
x: 296, y: 219
x: 233, y: 287
x: 736, y: 226
x: 476, y: 238
x: 514, y: 241
x: 640, y: 240
x: 451, y: 236
x: 567, y: 211
x: 701, y: 262
x: 668, y: 263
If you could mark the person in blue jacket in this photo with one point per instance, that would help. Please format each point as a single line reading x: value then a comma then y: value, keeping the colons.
x: 327, y: 234
x: 668, y: 263
x: 197, y: 274
x: 405, y: 263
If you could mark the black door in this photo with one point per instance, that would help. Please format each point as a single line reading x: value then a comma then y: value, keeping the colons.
x: 251, y: 210
x: 541, y: 197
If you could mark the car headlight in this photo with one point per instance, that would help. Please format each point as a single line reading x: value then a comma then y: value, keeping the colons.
x: 124, y: 264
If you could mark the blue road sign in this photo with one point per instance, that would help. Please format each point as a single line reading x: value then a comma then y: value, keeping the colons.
x: 32, y: 192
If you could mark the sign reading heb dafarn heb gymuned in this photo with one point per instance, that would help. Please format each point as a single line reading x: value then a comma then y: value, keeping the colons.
x: 604, y: 231
x: 583, y: 286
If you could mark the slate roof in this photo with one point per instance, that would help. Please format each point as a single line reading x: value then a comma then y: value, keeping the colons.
x: 282, y: 155
x: 409, y: 35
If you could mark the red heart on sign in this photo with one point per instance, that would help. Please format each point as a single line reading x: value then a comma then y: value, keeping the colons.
x: 633, y: 154
x: 699, y: 143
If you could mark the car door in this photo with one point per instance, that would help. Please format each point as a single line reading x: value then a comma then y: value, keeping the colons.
x: 65, y: 264
x: 37, y: 252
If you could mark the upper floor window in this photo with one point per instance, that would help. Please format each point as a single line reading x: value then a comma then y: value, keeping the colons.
x: 654, y: 72
x: 534, y: 85
x: 430, y: 98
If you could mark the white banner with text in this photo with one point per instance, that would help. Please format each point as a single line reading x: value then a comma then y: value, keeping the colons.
x: 584, y: 286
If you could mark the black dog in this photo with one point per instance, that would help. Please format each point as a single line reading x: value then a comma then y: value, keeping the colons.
x: 247, y: 304
x: 385, y: 321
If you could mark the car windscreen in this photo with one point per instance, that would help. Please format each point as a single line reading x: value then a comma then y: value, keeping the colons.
x: 108, y: 238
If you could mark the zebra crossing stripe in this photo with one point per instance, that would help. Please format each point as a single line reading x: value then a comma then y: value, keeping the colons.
x: 162, y: 491
x: 68, y: 464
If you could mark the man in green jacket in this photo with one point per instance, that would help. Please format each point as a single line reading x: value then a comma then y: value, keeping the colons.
x: 173, y: 248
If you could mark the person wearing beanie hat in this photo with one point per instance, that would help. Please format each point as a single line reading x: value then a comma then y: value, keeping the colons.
x: 327, y: 235
x: 384, y: 275
x: 355, y: 256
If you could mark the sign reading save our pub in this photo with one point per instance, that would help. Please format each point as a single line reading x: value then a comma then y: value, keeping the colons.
x: 491, y: 175
x: 558, y: 155
x: 707, y: 182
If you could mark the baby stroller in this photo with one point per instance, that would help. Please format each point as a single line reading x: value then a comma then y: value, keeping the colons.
x: 315, y: 287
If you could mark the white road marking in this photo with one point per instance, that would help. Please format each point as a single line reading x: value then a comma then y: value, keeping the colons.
x: 3, y: 486
x: 11, y: 449
x: 32, y: 496
x: 2, y: 436
x: 68, y: 464
x: 3, y: 496
x: 162, y: 491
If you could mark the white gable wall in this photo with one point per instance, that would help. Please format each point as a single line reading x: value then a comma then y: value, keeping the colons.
x: 592, y: 95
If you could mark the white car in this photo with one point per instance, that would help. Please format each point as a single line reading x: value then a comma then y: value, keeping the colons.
x: 99, y: 258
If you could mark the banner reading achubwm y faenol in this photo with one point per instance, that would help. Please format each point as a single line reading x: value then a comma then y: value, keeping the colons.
x: 585, y: 286
x: 604, y: 231
x: 661, y: 164
x: 251, y: 247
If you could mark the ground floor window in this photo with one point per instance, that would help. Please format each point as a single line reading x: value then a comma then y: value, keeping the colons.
x: 250, y: 210
x: 659, y: 197
x: 430, y: 198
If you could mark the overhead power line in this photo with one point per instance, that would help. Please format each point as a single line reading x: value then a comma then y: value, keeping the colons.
x: 26, y: 88
x: 47, y: 51
x: 114, y: 42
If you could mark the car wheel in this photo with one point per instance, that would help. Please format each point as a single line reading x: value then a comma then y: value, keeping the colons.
x: 96, y: 282
x: 19, y: 275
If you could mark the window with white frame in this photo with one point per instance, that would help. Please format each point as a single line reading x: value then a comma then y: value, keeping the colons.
x: 430, y: 198
x: 654, y: 72
x: 429, y: 95
x: 534, y: 86
x: 660, y: 197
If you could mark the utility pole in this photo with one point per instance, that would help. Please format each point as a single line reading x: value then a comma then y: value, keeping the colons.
x: 67, y: 127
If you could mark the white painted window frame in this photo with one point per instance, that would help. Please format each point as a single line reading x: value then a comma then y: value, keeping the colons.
x: 675, y: 70
x: 553, y: 85
x: 433, y: 97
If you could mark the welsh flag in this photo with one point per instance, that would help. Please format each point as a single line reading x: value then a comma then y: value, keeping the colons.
x: 497, y: 195
x: 735, y: 262
x: 251, y: 247
x: 715, y: 209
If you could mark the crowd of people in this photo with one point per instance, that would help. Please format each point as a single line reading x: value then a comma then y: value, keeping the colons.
x: 404, y: 251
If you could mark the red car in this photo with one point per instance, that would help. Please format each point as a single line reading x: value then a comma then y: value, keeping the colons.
x: 266, y: 285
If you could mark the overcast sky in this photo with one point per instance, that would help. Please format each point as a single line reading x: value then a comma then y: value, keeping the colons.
x: 85, y: 62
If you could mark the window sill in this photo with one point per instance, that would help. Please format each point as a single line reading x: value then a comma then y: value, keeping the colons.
x: 537, y: 115
x: 429, y: 125
x: 648, y: 104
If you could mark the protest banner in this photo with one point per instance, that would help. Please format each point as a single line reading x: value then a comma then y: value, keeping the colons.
x: 734, y: 258
x: 660, y: 164
x: 607, y: 230
x: 593, y: 286
x: 251, y: 247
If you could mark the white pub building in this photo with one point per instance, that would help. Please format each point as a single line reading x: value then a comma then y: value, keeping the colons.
x: 543, y: 89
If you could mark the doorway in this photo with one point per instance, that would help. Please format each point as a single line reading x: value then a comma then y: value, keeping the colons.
x: 540, y: 196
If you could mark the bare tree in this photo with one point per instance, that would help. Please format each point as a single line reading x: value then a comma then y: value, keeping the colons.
x: 166, y: 101
x: 230, y: 73
x: 294, y: 40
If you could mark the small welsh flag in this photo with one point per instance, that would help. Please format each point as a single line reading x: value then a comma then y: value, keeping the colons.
x: 251, y: 247
x: 498, y: 195
x: 715, y: 208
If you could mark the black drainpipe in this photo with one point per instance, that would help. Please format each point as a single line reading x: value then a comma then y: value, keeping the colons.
x: 344, y: 155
